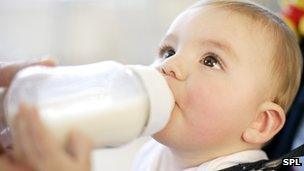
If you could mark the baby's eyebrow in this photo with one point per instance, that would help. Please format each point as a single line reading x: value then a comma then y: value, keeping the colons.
x: 170, y: 38
x: 221, y: 45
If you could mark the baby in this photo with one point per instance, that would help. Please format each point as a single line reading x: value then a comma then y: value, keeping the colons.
x: 234, y: 69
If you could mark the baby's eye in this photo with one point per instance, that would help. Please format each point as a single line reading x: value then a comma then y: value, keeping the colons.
x: 211, y: 60
x: 166, y: 52
x: 169, y: 53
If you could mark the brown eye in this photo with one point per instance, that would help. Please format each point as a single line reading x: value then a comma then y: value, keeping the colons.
x: 168, y: 53
x: 211, y: 60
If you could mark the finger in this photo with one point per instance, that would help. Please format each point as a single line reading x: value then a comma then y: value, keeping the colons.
x: 2, y: 117
x: 80, y: 148
x: 4, y: 133
x: 6, y: 164
x: 16, y: 136
x: 46, y: 152
x: 9, y: 70
x: 1, y: 150
x: 35, y: 145
x: 27, y: 148
x: 40, y: 140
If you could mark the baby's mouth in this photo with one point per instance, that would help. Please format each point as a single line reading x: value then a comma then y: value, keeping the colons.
x: 178, y: 108
x: 177, y: 104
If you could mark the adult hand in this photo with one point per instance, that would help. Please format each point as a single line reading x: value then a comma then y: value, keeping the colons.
x: 35, y: 145
x: 7, y: 72
x: 8, y: 164
x: 9, y: 69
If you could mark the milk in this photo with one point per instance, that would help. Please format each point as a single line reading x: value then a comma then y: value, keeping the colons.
x: 108, y: 102
x: 105, y: 124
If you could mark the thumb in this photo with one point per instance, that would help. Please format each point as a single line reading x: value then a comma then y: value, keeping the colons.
x: 9, y: 70
x: 44, y: 61
x: 80, y: 147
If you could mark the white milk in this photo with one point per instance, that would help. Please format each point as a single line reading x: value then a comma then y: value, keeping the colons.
x: 109, y: 102
x: 106, y: 124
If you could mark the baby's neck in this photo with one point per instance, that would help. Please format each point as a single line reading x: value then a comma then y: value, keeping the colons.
x: 188, y: 159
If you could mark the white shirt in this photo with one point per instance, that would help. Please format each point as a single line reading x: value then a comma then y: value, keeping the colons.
x: 155, y: 157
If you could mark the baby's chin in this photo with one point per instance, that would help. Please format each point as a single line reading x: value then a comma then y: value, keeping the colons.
x: 171, y: 141
x: 169, y: 136
x: 165, y: 137
x: 160, y: 136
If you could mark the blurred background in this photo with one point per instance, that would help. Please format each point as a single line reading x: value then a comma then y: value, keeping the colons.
x: 87, y: 31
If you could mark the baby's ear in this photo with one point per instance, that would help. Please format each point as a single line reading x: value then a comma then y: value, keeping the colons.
x: 269, y: 120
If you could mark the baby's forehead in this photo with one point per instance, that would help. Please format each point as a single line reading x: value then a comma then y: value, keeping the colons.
x: 227, y: 25
x: 240, y: 18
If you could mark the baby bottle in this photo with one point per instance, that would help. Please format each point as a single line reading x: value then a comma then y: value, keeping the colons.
x: 109, y: 102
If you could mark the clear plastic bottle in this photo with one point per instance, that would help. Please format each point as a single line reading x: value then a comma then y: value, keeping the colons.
x: 109, y: 102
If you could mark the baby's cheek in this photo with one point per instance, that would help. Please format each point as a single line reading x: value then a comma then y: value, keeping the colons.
x: 206, y: 112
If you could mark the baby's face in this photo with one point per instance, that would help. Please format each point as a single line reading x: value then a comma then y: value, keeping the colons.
x: 217, y: 64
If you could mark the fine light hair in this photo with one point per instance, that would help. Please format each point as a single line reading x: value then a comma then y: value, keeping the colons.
x: 286, y: 63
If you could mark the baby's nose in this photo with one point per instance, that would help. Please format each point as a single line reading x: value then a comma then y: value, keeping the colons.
x: 168, y: 73
x: 174, y: 67
x: 174, y: 70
